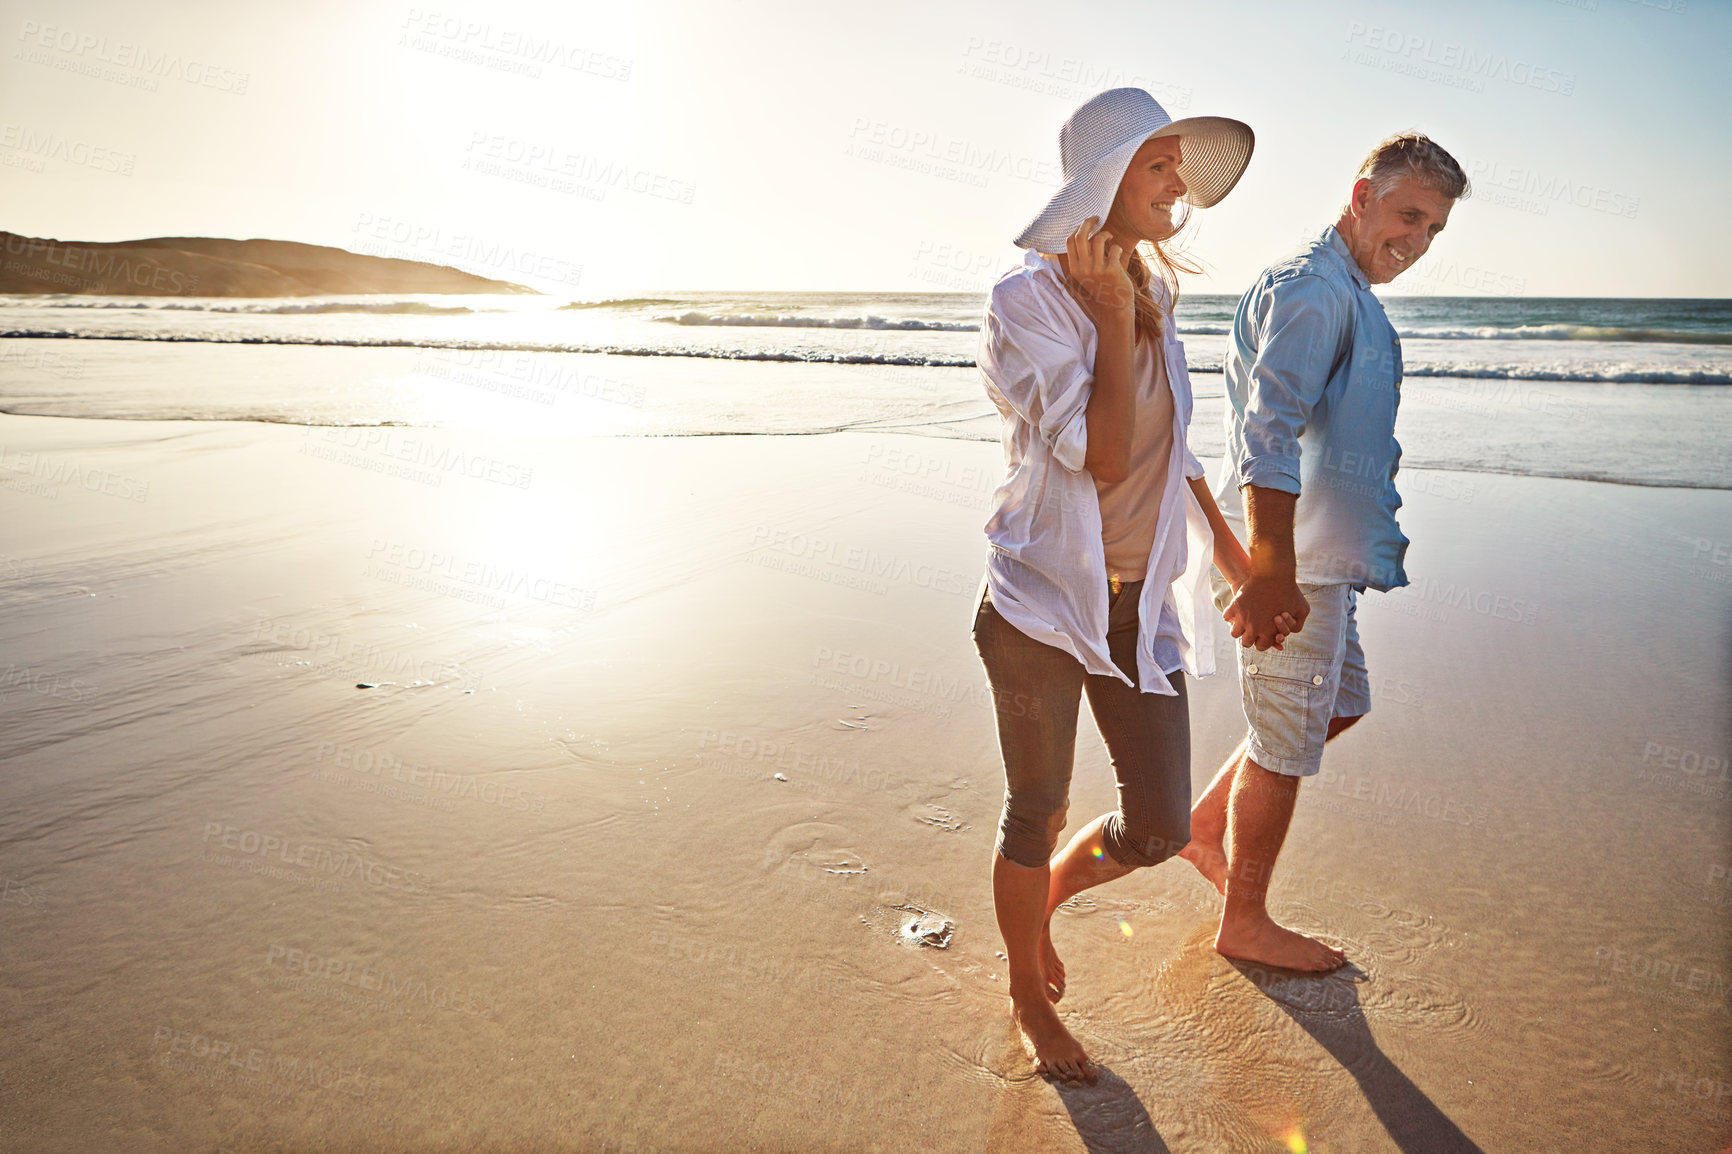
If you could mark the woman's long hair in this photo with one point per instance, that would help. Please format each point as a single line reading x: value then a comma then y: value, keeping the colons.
x: 1168, y: 264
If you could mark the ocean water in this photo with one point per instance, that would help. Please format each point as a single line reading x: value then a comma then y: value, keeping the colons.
x: 1630, y: 391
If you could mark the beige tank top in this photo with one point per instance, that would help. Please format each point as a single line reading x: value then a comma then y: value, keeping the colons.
x: 1130, y: 509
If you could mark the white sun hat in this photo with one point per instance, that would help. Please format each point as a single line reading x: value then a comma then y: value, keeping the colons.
x: 1096, y: 145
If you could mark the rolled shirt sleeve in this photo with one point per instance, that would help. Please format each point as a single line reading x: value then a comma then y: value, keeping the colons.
x: 1303, y: 324
x: 1040, y: 369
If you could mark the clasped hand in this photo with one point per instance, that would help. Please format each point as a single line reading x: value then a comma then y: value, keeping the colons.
x: 1265, y: 610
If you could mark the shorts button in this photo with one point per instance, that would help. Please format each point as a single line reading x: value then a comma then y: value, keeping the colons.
x: 1317, y: 680
x: 1252, y: 669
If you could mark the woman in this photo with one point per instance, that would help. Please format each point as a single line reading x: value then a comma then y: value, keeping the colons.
x: 1103, y: 529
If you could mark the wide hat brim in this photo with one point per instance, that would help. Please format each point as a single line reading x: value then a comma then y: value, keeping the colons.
x: 1216, y: 150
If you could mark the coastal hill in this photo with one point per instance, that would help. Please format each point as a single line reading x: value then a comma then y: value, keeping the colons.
x: 217, y: 267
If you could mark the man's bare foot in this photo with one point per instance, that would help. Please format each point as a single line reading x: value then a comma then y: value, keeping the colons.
x: 1258, y: 939
x: 1049, y: 962
x: 1056, y: 1054
x: 1208, y: 852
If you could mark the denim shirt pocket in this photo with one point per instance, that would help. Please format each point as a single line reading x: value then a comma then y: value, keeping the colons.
x: 1376, y: 367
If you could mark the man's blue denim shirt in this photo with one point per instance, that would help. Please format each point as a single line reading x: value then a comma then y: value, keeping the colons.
x: 1313, y: 379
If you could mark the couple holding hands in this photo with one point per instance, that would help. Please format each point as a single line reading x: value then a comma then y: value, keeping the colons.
x: 1104, y: 530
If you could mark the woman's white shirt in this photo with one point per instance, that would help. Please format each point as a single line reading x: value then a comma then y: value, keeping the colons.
x: 1045, y: 562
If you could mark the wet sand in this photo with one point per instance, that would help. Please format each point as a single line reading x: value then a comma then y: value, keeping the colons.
x: 540, y: 886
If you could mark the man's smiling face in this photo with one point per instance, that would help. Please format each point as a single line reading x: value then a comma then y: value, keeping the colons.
x: 1390, y: 233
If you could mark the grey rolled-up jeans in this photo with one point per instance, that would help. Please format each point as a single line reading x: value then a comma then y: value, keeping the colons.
x: 1037, y: 691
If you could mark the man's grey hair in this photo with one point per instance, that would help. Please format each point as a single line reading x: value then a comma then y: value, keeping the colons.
x: 1414, y: 156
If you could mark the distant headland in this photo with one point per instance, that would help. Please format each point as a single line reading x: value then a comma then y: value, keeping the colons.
x: 205, y: 266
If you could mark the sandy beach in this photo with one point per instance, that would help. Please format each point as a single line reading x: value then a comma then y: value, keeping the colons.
x: 492, y: 515
x: 408, y: 789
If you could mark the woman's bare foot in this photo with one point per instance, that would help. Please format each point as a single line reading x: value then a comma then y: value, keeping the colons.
x: 1056, y: 1054
x: 1049, y: 962
x: 1207, y: 851
x: 1256, y: 938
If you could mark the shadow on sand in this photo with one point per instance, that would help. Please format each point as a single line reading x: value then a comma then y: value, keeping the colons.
x: 1328, y: 1009
x: 1109, y: 1117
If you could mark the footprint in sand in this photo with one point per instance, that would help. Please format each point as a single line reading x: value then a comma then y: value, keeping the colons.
x: 925, y: 928
x: 938, y: 816
x: 814, y: 845
x: 844, y: 864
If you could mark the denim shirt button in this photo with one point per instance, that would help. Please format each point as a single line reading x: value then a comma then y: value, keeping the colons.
x: 1252, y: 669
x: 1317, y: 679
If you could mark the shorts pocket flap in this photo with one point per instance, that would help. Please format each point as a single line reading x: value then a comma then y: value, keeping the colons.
x: 1288, y: 667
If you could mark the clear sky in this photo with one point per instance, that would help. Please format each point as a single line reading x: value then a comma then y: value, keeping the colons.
x: 626, y: 147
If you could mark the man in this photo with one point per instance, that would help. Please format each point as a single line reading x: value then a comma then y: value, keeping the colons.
x: 1313, y: 378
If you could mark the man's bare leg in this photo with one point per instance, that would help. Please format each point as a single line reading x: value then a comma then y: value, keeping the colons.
x: 1208, y: 848
x: 1259, y: 810
x: 1019, y: 894
x: 1083, y: 864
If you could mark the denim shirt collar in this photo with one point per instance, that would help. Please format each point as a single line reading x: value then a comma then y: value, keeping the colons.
x: 1333, y: 239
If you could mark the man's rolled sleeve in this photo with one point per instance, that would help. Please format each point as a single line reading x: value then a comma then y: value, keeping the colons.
x: 1302, y: 322
x: 1040, y: 371
x: 1271, y: 472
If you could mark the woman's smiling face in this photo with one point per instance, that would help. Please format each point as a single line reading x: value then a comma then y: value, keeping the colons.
x: 1151, y: 186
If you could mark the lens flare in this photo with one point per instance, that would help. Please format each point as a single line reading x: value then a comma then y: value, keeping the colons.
x: 1097, y: 852
x: 1295, y: 1141
x: 1124, y: 927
